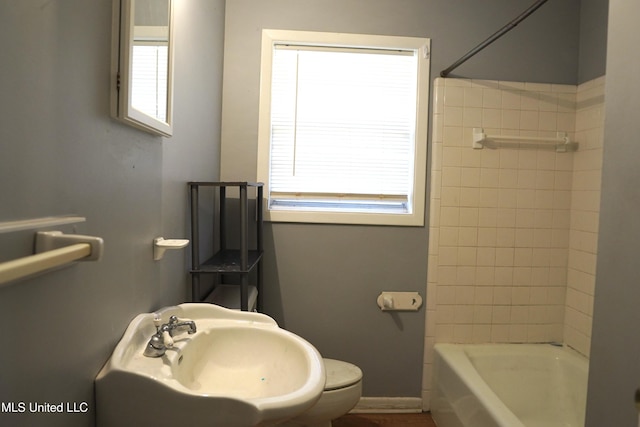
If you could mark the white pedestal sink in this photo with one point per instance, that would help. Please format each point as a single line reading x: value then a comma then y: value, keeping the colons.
x: 238, y: 370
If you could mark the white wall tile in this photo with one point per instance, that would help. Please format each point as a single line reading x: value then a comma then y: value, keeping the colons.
x: 510, y: 100
x: 529, y: 120
x: 516, y: 224
x: 453, y: 116
x: 511, y: 119
x: 473, y: 97
x: 454, y: 96
x: 472, y: 117
x: 491, y: 118
x: 492, y: 98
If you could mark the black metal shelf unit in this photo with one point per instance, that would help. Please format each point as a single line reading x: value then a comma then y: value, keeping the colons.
x: 240, y: 261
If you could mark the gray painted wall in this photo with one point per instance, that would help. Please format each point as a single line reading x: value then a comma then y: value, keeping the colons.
x: 593, y: 39
x: 322, y: 280
x: 615, y: 343
x: 61, y: 153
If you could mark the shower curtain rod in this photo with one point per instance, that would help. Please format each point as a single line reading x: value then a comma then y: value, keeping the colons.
x: 494, y: 37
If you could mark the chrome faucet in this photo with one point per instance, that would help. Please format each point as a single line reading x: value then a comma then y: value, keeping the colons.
x: 163, y: 338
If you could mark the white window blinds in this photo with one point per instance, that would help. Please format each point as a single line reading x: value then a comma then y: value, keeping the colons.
x: 149, y: 79
x: 342, y: 128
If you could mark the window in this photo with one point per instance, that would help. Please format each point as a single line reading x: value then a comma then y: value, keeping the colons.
x: 343, y: 125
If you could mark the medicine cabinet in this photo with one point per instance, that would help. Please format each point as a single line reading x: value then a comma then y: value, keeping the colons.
x: 142, y: 64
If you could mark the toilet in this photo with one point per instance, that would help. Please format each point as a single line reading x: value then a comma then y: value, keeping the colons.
x: 342, y: 392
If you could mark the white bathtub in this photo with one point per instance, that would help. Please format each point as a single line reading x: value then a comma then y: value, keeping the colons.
x: 508, y: 385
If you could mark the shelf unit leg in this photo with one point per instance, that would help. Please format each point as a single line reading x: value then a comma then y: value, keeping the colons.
x: 195, y: 287
x: 244, y: 249
x: 244, y: 293
x: 223, y: 218
x: 195, y: 244
x: 260, y: 244
x: 260, y: 303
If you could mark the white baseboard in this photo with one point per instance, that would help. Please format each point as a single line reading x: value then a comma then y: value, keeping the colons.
x: 388, y: 405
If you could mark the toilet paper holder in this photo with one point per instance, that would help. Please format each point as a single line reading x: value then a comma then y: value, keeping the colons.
x: 399, y: 301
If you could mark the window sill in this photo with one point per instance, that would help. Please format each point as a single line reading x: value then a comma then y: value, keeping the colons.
x: 415, y: 219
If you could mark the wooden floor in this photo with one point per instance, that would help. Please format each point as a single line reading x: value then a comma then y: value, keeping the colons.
x: 385, y: 420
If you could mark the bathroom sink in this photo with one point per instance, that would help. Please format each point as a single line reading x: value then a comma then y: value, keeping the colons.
x: 238, y: 370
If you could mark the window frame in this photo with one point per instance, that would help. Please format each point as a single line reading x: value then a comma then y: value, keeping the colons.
x: 270, y: 38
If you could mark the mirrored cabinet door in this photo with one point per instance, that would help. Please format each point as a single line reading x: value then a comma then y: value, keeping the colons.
x: 142, y: 64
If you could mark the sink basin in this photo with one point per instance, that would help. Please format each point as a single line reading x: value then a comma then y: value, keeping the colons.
x: 238, y: 370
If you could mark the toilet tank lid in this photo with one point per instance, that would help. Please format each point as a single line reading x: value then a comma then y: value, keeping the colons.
x: 340, y: 374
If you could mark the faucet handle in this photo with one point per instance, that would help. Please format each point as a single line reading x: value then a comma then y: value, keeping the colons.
x: 167, y: 339
x: 157, y: 322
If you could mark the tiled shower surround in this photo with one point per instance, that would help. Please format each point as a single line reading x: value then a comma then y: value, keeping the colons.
x: 513, y: 227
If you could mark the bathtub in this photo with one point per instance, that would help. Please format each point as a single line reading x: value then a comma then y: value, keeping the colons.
x: 508, y: 385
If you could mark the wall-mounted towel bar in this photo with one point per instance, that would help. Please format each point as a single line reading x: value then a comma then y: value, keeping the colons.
x: 30, y: 224
x: 561, y: 140
x: 53, y: 249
